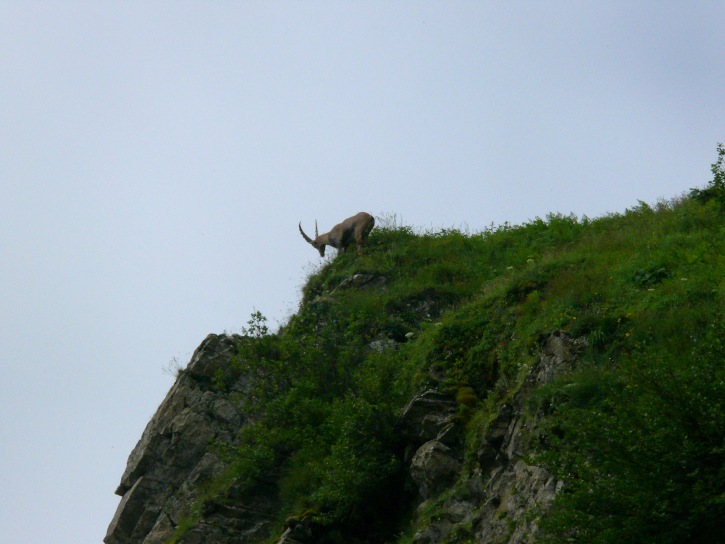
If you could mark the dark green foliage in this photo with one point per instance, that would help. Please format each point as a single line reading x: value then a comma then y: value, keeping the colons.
x: 641, y: 447
x: 715, y: 191
x: 467, y: 345
x: 636, y: 432
x: 651, y: 277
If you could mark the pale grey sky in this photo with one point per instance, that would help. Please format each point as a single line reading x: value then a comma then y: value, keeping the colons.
x: 156, y: 157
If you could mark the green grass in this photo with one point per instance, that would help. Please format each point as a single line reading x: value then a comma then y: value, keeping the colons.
x: 636, y: 432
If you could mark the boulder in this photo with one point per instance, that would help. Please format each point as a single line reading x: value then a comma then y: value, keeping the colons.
x: 426, y: 415
x: 434, y: 468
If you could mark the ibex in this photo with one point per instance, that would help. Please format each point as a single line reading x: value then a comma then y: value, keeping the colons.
x: 354, y: 229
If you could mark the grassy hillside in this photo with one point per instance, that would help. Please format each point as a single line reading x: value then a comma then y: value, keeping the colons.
x: 636, y: 431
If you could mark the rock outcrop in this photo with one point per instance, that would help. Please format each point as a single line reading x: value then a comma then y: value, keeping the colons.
x: 494, y: 500
x: 173, y: 460
x: 497, y: 500
x: 427, y: 423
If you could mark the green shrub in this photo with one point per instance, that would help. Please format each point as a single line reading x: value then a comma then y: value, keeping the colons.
x: 641, y: 450
x: 715, y: 191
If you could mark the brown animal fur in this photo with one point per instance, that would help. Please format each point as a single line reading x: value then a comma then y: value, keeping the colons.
x: 354, y: 229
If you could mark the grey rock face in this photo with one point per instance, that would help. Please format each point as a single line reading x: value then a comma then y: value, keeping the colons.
x: 434, y: 468
x: 426, y: 415
x: 499, y: 499
x: 362, y: 280
x: 172, y: 459
x: 427, y: 425
x: 493, y: 499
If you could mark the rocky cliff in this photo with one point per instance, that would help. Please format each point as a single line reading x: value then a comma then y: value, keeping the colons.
x: 171, y: 464
x: 497, y: 499
x: 559, y: 381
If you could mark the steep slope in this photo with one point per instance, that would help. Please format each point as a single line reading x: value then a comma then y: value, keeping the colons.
x: 172, y: 463
x: 559, y: 379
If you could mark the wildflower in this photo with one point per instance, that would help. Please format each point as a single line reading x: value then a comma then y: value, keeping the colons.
x: 530, y: 261
x: 683, y: 279
x: 509, y: 268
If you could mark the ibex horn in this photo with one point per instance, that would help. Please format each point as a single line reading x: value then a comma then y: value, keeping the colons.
x: 307, y: 238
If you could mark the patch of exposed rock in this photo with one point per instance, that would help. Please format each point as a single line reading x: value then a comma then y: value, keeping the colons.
x: 173, y: 459
x: 492, y: 499
x: 498, y: 499
x: 360, y: 281
x: 427, y: 425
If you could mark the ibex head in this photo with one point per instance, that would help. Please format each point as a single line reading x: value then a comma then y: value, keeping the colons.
x: 354, y: 229
x: 318, y: 244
